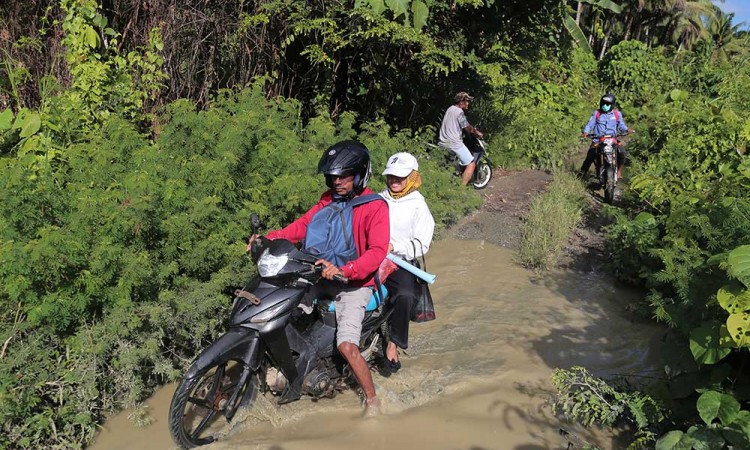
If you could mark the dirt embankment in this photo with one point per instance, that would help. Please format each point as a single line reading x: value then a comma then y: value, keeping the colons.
x: 507, y: 201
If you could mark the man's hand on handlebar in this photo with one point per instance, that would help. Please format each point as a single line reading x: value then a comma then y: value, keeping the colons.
x: 330, y: 271
x: 250, y: 242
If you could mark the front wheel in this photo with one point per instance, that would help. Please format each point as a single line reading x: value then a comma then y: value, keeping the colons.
x: 483, y: 175
x: 609, y: 185
x: 198, y: 402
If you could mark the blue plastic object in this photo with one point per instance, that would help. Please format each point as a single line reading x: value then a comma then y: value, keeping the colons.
x: 372, y: 305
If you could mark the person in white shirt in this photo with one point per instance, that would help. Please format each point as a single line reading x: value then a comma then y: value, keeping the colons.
x: 451, y: 134
x: 412, y: 227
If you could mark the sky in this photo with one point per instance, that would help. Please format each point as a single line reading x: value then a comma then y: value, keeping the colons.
x: 740, y: 8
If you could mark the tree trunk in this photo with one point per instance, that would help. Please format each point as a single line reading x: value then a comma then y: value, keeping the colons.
x: 579, y: 13
x: 338, y: 102
x: 604, y: 45
x: 629, y: 26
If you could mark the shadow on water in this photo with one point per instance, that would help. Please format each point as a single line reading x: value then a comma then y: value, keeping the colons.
x: 611, y: 341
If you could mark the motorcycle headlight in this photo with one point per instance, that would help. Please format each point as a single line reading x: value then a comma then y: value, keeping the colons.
x: 269, y: 265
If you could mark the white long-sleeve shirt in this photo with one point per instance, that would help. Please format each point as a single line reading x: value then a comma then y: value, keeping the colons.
x: 410, y: 219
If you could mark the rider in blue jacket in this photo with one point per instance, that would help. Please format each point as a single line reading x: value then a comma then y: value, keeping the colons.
x: 607, y: 120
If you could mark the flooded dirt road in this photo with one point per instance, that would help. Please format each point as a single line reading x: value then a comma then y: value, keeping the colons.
x: 476, y: 378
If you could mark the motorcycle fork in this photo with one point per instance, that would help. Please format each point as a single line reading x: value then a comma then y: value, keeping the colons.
x: 280, y: 351
x: 233, y: 403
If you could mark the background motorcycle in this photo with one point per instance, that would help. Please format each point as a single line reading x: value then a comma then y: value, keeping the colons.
x: 606, y: 164
x: 483, y: 170
x: 478, y: 148
x: 270, y: 346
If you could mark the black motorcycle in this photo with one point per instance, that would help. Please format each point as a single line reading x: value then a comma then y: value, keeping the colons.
x: 271, y: 346
x: 606, y: 164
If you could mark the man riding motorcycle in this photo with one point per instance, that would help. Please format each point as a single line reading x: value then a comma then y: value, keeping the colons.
x: 346, y: 166
x: 605, y: 121
x: 453, y: 126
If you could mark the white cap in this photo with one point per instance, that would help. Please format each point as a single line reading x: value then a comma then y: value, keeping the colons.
x: 401, y: 165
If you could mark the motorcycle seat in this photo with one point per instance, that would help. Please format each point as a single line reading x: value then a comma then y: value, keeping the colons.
x: 372, y: 305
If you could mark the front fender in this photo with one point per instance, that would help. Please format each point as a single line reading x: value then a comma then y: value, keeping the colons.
x: 239, y: 344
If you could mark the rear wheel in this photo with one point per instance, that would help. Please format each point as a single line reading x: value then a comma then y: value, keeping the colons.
x: 609, y: 185
x: 199, y: 402
x: 483, y: 175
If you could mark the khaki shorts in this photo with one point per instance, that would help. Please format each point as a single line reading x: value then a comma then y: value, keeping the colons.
x: 350, y: 311
x: 462, y: 152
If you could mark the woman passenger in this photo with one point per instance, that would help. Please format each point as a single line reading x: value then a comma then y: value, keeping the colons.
x: 412, y: 227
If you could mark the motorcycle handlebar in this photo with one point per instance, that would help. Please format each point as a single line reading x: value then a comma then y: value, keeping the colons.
x: 341, y: 279
x: 619, y: 134
x: 338, y: 277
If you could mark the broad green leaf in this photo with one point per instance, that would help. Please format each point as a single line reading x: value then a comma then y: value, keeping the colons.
x: 738, y: 326
x: 30, y: 125
x: 605, y: 4
x: 92, y: 37
x: 734, y: 298
x: 361, y: 3
x: 100, y: 21
x: 705, y: 438
x: 738, y: 432
x: 705, y: 344
x: 21, y: 118
x: 725, y: 340
x: 715, y: 405
x: 739, y: 264
x: 646, y: 218
x: 420, y: 12
x: 6, y: 118
x: 398, y: 7
x: 674, y: 440
x: 378, y: 6
x: 29, y: 145
x: 717, y: 259
x: 575, y: 32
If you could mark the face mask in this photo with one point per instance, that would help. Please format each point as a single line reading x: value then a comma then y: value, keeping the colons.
x: 606, y: 107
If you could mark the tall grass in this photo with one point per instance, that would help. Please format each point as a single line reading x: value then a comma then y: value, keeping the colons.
x: 552, y: 217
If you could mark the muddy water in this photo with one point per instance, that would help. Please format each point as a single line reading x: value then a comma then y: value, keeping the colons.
x: 475, y: 378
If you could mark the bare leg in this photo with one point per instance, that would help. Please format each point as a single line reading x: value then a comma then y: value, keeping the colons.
x: 468, y: 172
x: 392, y: 351
x: 361, y: 371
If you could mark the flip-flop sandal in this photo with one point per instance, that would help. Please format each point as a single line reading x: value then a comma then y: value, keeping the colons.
x: 393, y: 366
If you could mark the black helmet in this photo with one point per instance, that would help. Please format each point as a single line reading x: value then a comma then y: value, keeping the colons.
x: 346, y: 157
x: 607, y: 99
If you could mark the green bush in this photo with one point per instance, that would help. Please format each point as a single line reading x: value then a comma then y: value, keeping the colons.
x: 636, y: 72
x: 119, y: 254
x: 546, y: 106
x: 687, y: 208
